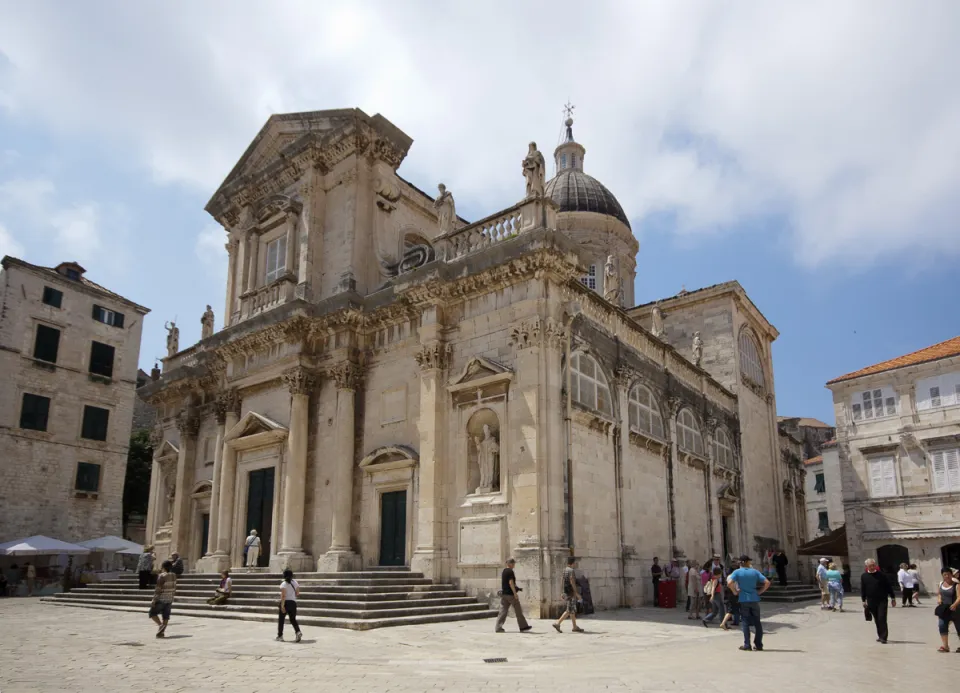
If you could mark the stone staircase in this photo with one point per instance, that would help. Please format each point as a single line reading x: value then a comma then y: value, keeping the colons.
x: 373, y: 598
x: 793, y: 592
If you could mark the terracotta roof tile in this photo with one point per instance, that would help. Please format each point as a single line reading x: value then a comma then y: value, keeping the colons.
x: 943, y: 350
x: 814, y: 460
x: 805, y: 421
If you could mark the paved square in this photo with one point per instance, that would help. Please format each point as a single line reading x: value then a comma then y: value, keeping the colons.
x: 55, y: 648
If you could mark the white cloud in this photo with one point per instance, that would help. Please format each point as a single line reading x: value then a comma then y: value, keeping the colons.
x: 842, y: 118
x: 9, y: 245
x: 211, y: 252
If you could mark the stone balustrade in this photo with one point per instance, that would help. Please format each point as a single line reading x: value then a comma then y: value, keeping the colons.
x: 526, y: 215
x: 266, y: 297
x: 186, y: 358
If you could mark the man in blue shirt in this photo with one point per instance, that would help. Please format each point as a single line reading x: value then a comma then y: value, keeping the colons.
x: 749, y: 583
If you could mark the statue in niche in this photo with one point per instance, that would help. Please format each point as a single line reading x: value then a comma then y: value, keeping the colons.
x: 697, y: 349
x: 534, y: 171
x: 656, y: 326
x: 488, y: 458
x: 446, y: 209
x: 611, y: 283
x: 206, y: 324
x: 173, y: 338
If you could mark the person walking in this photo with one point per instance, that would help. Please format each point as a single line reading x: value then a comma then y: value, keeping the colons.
x: 822, y: 583
x: 749, y: 583
x: 714, y: 592
x: 571, y: 596
x: 917, y: 583
x: 177, y: 562
x: 251, y: 549
x: 31, y: 575
x: 875, y: 589
x: 694, y: 591
x: 163, y: 595
x: 145, y: 567
x: 948, y: 609
x: 780, y: 564
x: 510, y: 596
x: 835, y: 587
x: 222, y: 593
x: 289, y: 591
x: 656, y: 572
x: 907, y: 583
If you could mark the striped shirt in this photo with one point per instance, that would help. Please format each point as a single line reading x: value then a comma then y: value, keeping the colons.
x: 166, y: 587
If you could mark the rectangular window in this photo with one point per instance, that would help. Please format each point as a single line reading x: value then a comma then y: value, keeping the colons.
x: 589, y: 280
x: 946, y: 470
x: 101, y: 359
x: 883, y: 477
x: 34, y: 412
x: 88, y: 477
x: 857, y: 412
x: 276, y: 259
x: 824, y: 521
x: 52, y: 297
x: 95, y: 421
x: 934, y: 396
x: 47, y: 344
x: 891, y: 406
x: 107, y: 317
x: 874, y: 404
x: 821, y: 484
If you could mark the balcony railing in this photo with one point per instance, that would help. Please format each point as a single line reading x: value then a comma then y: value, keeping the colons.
x: 504, y: 225
x: 264, y: 298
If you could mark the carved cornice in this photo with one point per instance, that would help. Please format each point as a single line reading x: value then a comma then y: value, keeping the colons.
x: 188, y: 424
x: 347, y: 375
x: 299, y: 381
x: 435, y: 356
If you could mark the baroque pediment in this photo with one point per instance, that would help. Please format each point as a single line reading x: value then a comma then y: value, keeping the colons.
x: 255, y: 429
x: 167, y: 449
x: 479, y: 369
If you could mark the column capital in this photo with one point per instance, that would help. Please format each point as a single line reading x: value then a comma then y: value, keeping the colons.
x: 538, y: 332
x: 434, y: 356
x: 347, y: 375
x: 299, y: 380
x: 188, y: 424
x: 227, y: 401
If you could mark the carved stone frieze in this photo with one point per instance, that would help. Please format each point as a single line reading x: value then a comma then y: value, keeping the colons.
x: 347, y: 375
x: 227, y: 401
x: 434, y: 356
x: 538, y: 332
x: 626, y: 375
x: 299, y: 381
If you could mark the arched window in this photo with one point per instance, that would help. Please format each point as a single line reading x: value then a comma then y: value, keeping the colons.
x: 723, y: 450
x: 689, y: 437
x: 589, y: 384
x: 751, y: 365
x: 644, y: 414
x: 563, y: 161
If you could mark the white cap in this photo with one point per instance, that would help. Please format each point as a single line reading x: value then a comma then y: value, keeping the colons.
x: 824, y: 560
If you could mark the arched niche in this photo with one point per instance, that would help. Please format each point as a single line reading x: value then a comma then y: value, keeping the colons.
x: 483, y: 452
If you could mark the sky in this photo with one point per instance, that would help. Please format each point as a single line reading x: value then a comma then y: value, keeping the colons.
x: 809, y: 150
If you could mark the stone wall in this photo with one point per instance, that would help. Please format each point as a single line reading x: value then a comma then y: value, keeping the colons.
x: 38, y: 468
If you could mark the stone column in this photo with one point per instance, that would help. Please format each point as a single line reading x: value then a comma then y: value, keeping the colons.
x: 340, y: 555
x: 220, y: 410
x: 189, y: 425
x: 291, y: 555
x: 153, y: 500
x: 228, y: 476
x: 231, y: 246
x: 673, y: 408
x: 433, y: 359
x: 289, y: 262
x: 253, y: 247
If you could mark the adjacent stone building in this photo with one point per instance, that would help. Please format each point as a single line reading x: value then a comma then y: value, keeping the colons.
x: 68, y: 361
x: 812, y: 433
x: 395, y: 386
x: 898, y: 443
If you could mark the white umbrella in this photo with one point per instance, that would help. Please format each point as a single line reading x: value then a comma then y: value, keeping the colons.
x: 113, y: 544
x: 40, y: 545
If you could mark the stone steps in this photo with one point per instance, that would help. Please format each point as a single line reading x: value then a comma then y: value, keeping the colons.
x: 359, y: 600
x: 791, y: 593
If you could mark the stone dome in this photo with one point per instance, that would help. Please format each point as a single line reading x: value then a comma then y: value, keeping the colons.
x: 575, y: 191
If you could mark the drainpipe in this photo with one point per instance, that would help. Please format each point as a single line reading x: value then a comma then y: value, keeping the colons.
x: 573, y: 310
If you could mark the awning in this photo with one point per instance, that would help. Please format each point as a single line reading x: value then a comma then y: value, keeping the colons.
x: 40, y: 545
x: 833, y: 544
x: 912, y: 533
x: 113, y: 544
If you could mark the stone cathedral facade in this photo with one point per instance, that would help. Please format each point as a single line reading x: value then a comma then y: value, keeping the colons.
x: 396, y: 386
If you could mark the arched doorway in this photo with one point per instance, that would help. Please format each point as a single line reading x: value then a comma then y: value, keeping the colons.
x: 950, y: 555
x: 890, y: 556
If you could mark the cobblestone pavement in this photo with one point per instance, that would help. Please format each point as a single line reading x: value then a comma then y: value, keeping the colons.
x: 54, y: 648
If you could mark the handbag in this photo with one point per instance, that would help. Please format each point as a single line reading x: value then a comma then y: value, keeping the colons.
x: 943, y: 611
x: 866, y: 614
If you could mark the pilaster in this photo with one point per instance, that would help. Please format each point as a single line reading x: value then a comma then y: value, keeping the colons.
x: 220, y: 560
x: 189, y: 425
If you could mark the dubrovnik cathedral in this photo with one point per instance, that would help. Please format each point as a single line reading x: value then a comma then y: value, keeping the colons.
x: 394, y: 386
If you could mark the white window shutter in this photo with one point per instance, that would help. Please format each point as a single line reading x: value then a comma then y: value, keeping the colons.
x: 952, y: 464
x: 889, y: 477
x: 938, y: 462
x: 876, y: 478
